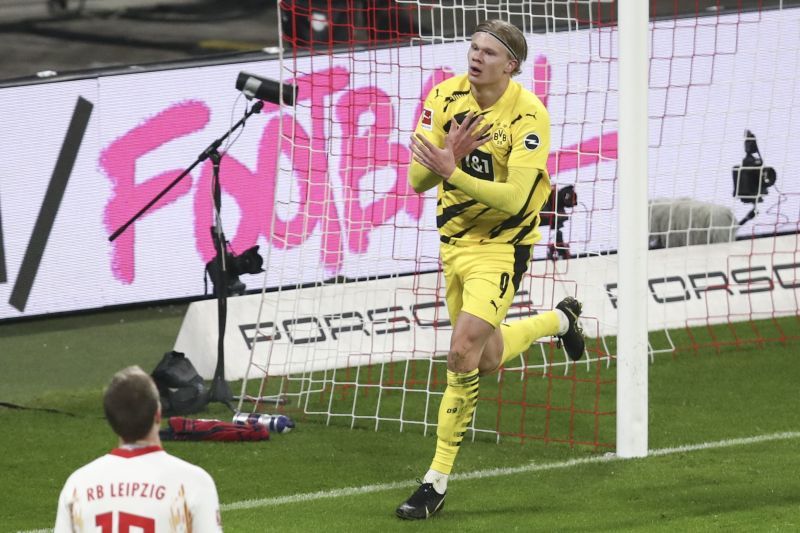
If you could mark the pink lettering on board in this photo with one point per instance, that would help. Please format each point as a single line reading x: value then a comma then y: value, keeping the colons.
x: 587, y: 153
x: 583, y: 154
x: 541, y: 78
x: 118, y: 161
x: 310, y: 199
x: 294, y: 190
x: 367, y: 118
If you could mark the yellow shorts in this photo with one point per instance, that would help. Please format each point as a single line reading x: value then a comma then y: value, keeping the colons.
x: 483, y: 279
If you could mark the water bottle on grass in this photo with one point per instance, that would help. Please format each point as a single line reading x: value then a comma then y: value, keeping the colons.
x: 275, y: 423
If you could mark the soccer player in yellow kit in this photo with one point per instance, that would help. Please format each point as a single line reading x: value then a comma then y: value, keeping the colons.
x: 484, y: 140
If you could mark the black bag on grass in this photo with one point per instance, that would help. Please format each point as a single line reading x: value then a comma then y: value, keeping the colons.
x: 181, y: 388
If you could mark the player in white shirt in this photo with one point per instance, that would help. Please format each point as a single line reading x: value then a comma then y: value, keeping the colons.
x: 137, y: 486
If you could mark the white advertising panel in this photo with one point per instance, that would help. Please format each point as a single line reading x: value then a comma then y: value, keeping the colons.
x: 323, y: 192
x: 354, y: 324
x: 327, y: 326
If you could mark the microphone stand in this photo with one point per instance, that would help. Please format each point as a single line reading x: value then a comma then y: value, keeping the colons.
x: 220, y: 390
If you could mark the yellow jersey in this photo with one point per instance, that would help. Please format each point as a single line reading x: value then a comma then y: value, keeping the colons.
x: 497, y: 191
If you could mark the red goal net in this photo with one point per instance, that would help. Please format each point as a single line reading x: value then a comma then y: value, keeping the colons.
x: 355, y: 328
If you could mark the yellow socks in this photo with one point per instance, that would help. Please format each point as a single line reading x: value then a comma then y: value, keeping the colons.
x: 518, y: 335
x: 455, y: 414
x: 461, y: 394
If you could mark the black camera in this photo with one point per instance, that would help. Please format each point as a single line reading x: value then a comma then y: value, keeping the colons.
x: 752, y: 179
x: 555, y: 215
x: 248, y: 262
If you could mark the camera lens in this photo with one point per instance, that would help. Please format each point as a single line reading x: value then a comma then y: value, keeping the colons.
x: 249, y: 262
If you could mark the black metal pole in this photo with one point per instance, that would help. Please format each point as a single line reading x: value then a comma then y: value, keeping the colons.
x: 220, y: 391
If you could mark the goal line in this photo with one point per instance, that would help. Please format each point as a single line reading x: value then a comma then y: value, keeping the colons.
x: 501, y: 472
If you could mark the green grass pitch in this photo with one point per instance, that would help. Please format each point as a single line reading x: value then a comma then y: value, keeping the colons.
x: 724, y: 431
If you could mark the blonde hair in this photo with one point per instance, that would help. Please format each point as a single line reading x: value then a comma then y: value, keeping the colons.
x: 511, y: 37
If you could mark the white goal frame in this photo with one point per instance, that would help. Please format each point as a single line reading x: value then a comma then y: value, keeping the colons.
x: 632, y: 336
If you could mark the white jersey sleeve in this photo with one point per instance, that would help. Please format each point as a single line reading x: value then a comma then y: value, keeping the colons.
x: 204, y: 504
x: 63, y: 514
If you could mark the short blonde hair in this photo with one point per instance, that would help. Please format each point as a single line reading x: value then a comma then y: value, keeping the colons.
x: 511, y: 37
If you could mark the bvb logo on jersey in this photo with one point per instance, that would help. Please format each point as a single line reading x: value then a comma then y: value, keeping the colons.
x: 499, y: 137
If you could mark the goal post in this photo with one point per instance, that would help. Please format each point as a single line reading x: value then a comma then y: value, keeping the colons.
x: 632, y: 191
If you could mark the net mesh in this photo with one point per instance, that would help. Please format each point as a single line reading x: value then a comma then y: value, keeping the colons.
x: 353, y: 328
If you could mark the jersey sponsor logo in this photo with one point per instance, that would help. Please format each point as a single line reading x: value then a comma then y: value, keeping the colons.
x: 427, y: 119
x: 532, y: 141
x: 479, y: 164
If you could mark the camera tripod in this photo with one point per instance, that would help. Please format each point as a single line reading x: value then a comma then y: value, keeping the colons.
x: 220, y: 390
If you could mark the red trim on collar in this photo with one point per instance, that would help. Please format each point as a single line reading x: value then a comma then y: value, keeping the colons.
x: 136, y: 452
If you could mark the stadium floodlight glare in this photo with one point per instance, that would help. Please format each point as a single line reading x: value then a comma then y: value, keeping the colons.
x: 263, y: 89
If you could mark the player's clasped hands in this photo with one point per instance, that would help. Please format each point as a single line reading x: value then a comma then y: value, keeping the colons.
x: 460, y: 141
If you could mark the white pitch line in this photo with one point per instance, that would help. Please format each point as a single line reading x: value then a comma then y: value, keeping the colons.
x: 498, y: 472
x: 492, y: 472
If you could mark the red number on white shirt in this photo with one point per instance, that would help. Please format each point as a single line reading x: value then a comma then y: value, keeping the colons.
x: 126, y: 521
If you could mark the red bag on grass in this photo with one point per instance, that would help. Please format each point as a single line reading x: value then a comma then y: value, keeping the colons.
x: 180, y: 428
